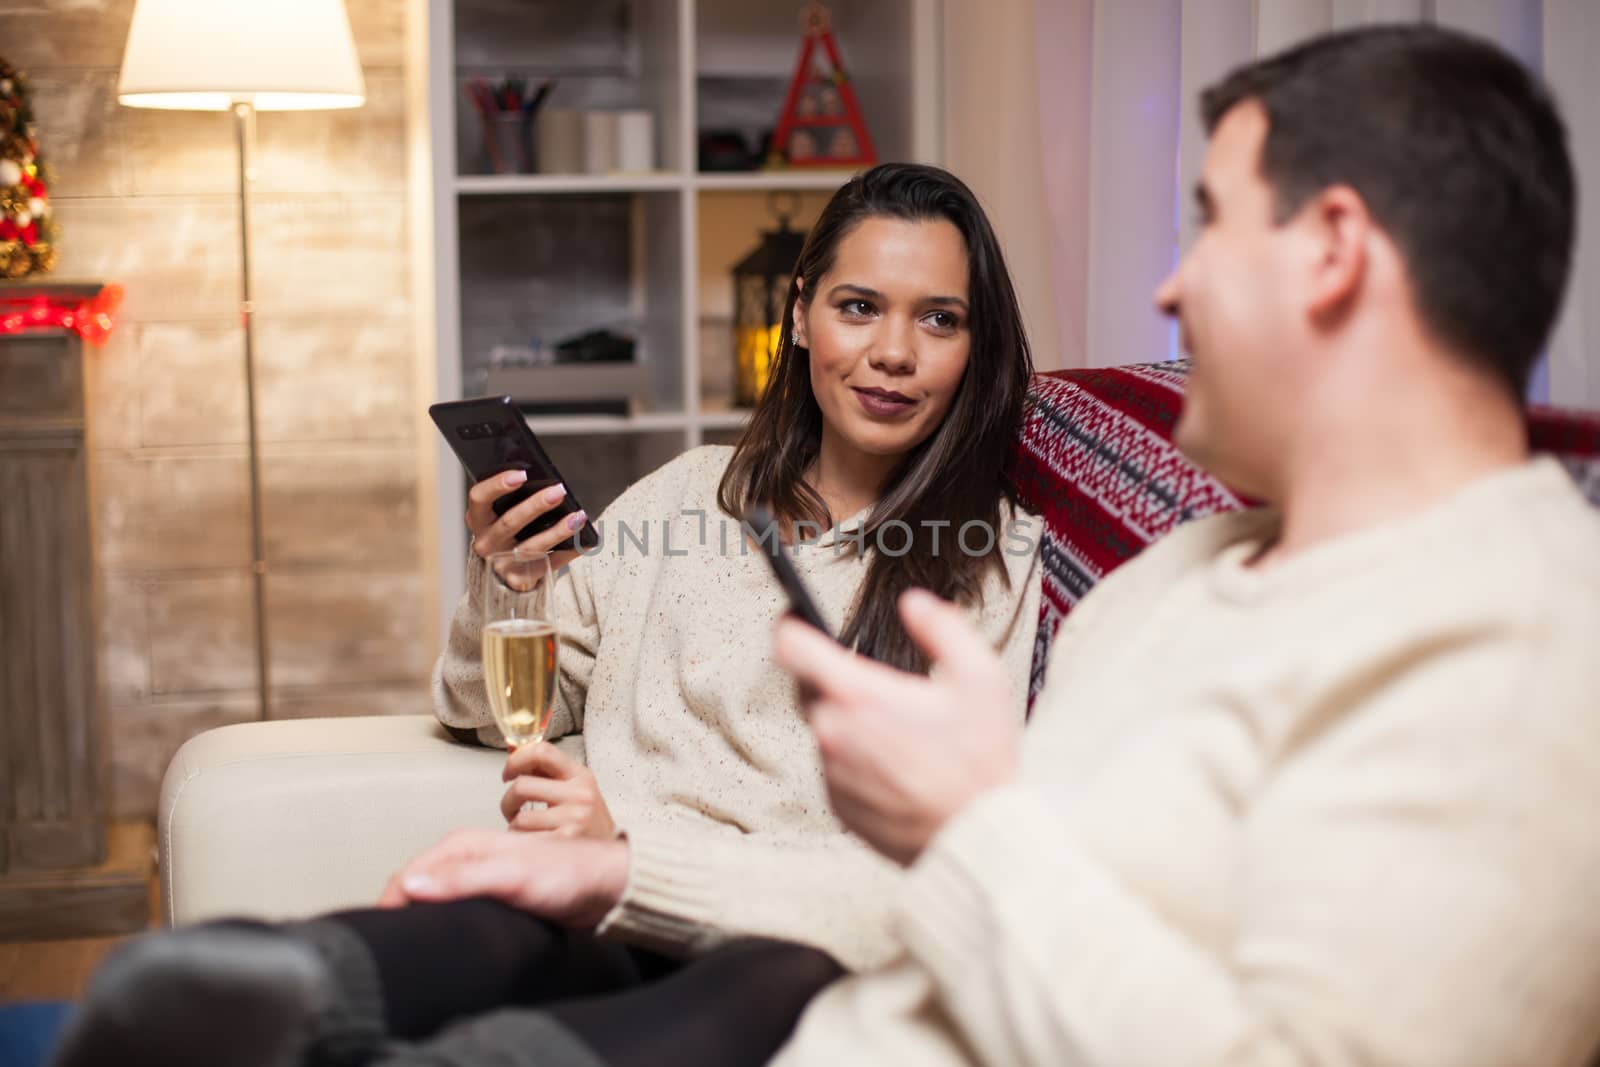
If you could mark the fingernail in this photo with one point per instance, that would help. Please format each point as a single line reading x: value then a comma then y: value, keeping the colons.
x: 554, y: 494
x: 577, y: 519
x: 420, y: 885
x: 516, y: 478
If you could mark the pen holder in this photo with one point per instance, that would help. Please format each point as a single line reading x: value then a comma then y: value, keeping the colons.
x: 507, y: 142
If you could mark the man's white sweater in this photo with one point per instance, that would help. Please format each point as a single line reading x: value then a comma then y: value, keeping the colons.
x: 1341, y: 810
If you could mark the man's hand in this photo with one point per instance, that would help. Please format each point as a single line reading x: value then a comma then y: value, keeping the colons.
x: 573, y: 882
x: 903, y: 753
x: 573, y: 804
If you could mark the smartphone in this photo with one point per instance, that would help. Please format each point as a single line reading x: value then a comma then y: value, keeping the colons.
x: 800, y: 602
x: 489, y: 436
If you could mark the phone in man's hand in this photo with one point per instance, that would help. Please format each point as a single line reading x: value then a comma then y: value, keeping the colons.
x: 489, y: 436
x: 801, y: 605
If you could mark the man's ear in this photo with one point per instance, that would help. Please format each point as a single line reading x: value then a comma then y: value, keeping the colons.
x: 1339, y: 227
x: 798, y: 320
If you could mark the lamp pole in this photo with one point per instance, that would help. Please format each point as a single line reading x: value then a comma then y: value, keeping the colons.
x: 244, y: 123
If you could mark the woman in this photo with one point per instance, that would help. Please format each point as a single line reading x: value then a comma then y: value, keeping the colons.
x: 694, y: 861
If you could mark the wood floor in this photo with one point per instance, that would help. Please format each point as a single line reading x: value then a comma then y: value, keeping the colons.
x: 59, y: 970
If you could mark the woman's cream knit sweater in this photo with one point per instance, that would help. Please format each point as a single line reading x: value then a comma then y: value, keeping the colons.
x: 694, y: 734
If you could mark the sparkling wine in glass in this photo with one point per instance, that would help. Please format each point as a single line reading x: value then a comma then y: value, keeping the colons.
x: 519, y: 644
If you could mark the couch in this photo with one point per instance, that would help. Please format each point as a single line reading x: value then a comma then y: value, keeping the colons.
x: 290, y: 818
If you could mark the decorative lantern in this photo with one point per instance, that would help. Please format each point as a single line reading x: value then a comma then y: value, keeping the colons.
x: 760, y: 289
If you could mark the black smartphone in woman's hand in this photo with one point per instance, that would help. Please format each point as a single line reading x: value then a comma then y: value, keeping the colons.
x: 766, y: 532
x: 489, y: 436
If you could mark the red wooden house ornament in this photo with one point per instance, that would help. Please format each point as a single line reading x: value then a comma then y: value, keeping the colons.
x: 820, y: 125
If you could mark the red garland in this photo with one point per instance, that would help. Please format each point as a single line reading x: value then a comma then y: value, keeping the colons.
x: 91, y: 319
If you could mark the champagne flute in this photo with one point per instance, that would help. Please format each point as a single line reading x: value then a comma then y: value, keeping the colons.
x: 519, y: 644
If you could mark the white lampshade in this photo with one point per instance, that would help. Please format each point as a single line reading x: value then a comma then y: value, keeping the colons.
x: 207, y: 55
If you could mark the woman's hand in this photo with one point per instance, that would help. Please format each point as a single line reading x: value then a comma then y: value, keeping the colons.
x: 573, y: 804
x: 570, y: 882
x: 493, y: 533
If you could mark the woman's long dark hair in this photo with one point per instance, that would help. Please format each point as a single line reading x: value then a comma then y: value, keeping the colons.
x: 957, y: 475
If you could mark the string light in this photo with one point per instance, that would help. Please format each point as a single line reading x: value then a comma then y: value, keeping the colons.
x: 91, y: 319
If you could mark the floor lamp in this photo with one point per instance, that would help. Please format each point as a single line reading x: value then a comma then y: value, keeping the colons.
x: 206, y: 55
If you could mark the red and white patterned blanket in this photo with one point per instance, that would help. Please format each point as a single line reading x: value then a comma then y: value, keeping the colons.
x: 1096, y: 460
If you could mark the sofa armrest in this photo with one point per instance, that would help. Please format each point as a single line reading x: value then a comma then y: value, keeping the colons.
x: 297, y: 817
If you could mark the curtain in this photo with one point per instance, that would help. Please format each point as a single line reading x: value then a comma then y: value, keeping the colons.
x: 1112, y: 86
x: 991, y: 139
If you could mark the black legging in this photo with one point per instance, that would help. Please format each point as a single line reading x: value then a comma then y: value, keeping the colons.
x: 440, y: 964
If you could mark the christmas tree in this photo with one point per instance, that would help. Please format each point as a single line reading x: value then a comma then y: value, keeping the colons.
x: 27, y: 234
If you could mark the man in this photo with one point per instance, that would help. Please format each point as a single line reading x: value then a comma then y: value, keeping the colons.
x: 1314, y: 784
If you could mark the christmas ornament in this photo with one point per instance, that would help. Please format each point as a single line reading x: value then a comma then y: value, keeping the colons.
x: 820, y: 125
x: 27, y: 231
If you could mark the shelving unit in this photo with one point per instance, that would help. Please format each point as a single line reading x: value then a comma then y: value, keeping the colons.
x: 655, y: 181
x: 545, y: 256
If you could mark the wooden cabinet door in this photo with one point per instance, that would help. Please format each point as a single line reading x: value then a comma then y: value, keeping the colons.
x: 51, y: 811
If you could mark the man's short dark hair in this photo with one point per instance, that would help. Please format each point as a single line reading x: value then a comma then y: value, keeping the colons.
x: 1460, y: 156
